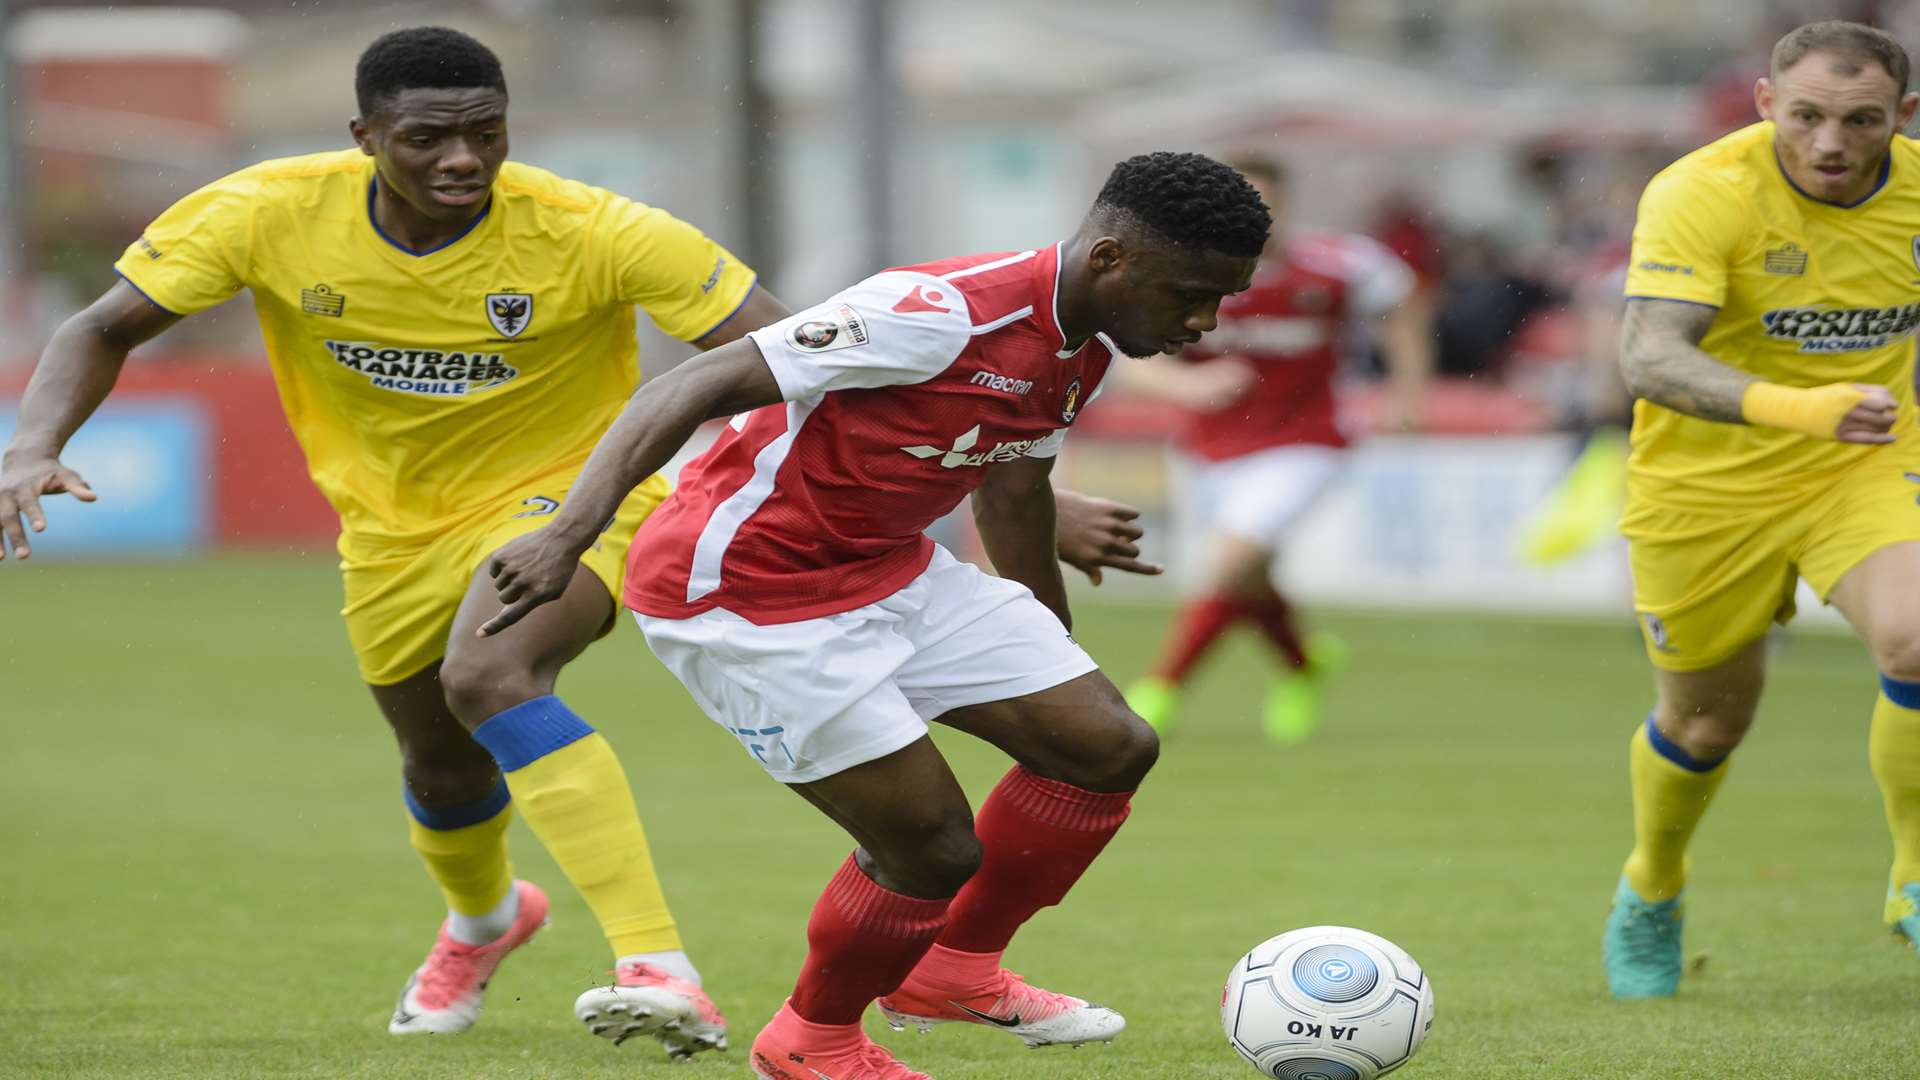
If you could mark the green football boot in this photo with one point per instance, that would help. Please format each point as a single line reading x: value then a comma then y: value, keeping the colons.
x: 1292, y: 711
x: 1903, y: 912
x: 1642, y: 945
x: 1156, y: 700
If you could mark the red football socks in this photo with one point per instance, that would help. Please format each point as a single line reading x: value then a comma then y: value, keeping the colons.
x: 1201, y: 623
x: 1204, y: 621
x: 1040, y: 835
x: 862, y: 941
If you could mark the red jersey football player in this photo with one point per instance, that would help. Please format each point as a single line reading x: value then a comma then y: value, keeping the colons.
x: 1264, y: 441
x: 791, y: 587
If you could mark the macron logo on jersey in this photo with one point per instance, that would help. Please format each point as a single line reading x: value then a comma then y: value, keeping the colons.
x: 1002, y: 383
x: 958, y: 457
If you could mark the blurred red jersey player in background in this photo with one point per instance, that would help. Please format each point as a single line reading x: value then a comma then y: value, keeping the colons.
x: 1264, y: 440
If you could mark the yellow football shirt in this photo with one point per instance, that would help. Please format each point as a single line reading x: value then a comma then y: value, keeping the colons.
x: 423, y: 387
x: 1808, y: 293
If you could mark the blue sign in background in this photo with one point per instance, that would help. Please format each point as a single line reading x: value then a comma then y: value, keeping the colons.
x: 147, y: 460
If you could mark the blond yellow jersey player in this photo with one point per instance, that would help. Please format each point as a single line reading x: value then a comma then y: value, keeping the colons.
x: 1769, y: 335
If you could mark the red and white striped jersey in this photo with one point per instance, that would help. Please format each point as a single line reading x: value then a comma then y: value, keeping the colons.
x: 900, y: 393
x: 1289, y: 324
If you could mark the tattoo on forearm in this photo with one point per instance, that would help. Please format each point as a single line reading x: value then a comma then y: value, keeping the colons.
x: 1661, y: 359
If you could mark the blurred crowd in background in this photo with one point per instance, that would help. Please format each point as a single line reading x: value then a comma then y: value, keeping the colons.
x: 1498, y: 146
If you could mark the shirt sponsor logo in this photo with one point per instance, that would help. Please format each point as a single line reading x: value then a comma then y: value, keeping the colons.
x: 962, y: 455
x: 1002, y: 383
x: 713, y: 279
x: 1788, y: 258
x: 1667, y: 268
x: 321, y: 300
x: 423, y: 372
x: 152, y: 252
x: 1824, y: 329
x: 839, y: 328
x: 510, y: 312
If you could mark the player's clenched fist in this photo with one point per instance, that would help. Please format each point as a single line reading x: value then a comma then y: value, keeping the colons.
x: 529, y: 571
x: 21, y: 485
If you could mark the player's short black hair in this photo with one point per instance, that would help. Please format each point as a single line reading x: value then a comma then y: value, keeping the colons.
x: 436, y: 57
x: 1189, y: 199
x: 1258, y: 164
x: 1856, y: 40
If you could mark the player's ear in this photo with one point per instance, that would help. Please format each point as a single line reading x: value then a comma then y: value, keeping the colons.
x: 1106, y: 255
x: 1904, y: 114
x: 1763, y: 97
x: 362, y: 136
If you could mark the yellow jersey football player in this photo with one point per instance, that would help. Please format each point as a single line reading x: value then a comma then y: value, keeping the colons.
x: 1769, y: 335
x: 450, y: 331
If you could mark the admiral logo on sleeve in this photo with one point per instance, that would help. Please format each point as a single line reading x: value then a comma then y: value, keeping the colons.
x: 840, y: 328
x: 423, y: 372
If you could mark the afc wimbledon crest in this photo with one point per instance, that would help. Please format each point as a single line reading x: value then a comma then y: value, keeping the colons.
x: 509, y: 312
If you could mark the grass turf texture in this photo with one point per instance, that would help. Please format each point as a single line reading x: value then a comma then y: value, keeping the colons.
x: 205, y: 866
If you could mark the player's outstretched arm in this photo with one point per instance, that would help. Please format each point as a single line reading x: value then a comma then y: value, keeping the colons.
x: 1661, y: 360
x: 75, y: 374
x: 1094, y: 533
x: 657, y: 421
x: 1013, y: 509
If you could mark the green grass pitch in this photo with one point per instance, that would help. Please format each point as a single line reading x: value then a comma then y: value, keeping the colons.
x: 205, y: 872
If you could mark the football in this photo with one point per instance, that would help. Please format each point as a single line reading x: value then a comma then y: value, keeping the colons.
x: 1326, y: 1003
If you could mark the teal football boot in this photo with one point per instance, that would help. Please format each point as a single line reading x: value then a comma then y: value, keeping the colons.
x: 1642, y: 945
x: 1903, y: 912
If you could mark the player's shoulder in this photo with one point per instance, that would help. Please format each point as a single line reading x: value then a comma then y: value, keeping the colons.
x: 301, y: 179
x: 1906, y: 158
x: 535, y: 186
x: 997, y: 287
x: 1338, y: 254
x: 1730, y: 167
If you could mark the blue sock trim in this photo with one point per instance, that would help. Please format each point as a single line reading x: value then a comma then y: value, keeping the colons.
x: 1901, y: 692
x: 1667, y: 749
x: 530, y: 731
x: 461, y: 815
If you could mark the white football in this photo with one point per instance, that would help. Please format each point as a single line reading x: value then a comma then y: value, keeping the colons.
x: 1326, y: 1003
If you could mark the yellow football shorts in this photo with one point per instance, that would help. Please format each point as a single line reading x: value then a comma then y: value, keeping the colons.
x: 1708, y: 584
x: 400, y: 600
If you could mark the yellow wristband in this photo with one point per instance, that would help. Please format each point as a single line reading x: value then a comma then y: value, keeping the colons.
x: 1815, y: 411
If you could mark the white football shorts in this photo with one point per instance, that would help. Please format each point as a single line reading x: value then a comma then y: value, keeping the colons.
x: 812, y: 698
x: 1260, y: 497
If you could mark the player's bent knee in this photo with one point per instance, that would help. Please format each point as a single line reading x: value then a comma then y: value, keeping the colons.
x: 1707, y: 736
x: 1897, y: 651
x: 1122, y: 758
x: 477, y: 690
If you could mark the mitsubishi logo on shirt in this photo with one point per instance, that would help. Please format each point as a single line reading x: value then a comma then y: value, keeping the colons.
x: 959, y: 456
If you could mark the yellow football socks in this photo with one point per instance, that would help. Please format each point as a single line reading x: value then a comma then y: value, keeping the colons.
x: 1894, y: 750
x: 572, y: 793
x: 465, y: 849
x: 1671, y: 791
